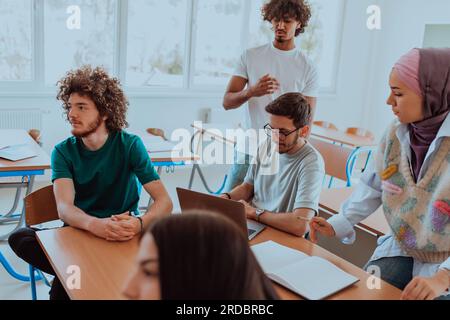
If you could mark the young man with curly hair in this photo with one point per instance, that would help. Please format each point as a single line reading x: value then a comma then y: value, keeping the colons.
x: 269, y: 71
x: 96, y: 171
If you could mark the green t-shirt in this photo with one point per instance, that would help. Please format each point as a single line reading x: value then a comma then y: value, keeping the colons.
x: 105, y: 180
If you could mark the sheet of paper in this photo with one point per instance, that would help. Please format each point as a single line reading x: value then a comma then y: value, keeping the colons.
x: 272, y: 256
x: 313, y: 278
x: 17, y: 152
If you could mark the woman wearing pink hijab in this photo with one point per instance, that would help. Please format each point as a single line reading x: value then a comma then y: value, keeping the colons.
x: 410, y: 178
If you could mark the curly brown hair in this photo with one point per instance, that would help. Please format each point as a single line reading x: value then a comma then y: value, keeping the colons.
x: 299, y: 10
x: 104, y: 91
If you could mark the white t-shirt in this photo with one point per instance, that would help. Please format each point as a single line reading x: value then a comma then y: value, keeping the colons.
x: 293, y: 69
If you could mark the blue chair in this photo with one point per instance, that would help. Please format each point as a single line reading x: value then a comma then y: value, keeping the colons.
x: 196, y: 168
x: 35, y: 275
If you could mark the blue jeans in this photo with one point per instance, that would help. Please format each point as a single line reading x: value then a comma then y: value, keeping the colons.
x: 397, y: 271
x: 237, y: 172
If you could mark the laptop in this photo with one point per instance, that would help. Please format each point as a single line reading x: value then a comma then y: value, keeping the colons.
x: 191, y: 200
x: 17, y: 152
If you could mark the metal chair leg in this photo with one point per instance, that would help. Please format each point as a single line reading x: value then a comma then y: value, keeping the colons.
x: 195, y: 168
x: 32, y: 282
x: 11, y: 271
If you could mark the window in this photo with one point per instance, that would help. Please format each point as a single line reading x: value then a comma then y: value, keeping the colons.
x: 218, y: 30
x: 16, y: 62
x: 93, y: 43
x: 156, y: 43
x: 181, y: 44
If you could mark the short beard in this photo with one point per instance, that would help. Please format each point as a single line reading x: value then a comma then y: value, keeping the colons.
x: 92, y: 127
x: 291, y: 146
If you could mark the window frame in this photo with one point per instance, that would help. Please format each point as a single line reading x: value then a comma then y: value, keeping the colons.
x: 36, y: 86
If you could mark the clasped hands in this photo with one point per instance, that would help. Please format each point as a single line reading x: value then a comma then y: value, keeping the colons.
x: 119, y: 228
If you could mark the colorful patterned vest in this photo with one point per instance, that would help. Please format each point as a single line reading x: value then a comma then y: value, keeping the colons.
x: 419, y: 214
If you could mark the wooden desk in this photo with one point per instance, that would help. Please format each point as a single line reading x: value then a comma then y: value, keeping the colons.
x: 17, y: 137
x: 105, y: 266
x: 162, y: 152
x: 166, y: 158
x: 317, y: 131
x: 358, y: 291
x: 342, y: 137
x: 217, y: 131
x: 26, y: 169
x: 332, y: 199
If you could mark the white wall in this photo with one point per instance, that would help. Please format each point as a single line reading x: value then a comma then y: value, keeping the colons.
x: 167, y: 113
x: 345, y: 108
x: 403, y: 28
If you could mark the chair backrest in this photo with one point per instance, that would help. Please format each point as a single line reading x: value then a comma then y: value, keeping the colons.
x: 335, y: 157
x: 40, y: 207
x: 36, y: 135
x: 325, y: 125
x: 360, y: 132
x: 157, y: 132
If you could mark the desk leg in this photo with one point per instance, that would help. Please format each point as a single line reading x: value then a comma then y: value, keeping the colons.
x: 22, y: 215
x: 18, y: 187
x: 191, y: 179
x: 196, y: 167
x: 10, y: 216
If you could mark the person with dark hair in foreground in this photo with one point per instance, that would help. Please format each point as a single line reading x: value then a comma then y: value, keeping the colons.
x: 197, y: 256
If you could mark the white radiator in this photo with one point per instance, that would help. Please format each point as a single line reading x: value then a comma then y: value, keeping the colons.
x: 21, y: 119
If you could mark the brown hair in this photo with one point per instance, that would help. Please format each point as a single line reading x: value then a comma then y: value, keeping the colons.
x: 296, y: 9
x: 294, y: 106
x: 205, y: 256
x: 104, y: 91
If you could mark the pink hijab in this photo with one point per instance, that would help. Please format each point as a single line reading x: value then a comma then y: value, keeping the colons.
x: 427, y: 73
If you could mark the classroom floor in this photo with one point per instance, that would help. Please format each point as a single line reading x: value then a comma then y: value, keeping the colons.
x: 12, y: 289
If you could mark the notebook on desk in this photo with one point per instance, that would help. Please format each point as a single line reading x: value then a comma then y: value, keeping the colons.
x: 313, y: 278
x: 17, y: 152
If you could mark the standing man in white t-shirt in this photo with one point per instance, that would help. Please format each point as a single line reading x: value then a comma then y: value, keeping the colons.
x: 269, y: 71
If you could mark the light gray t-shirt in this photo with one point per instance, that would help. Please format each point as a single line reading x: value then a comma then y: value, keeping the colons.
x: 293, y: 69
x: 297, y: 184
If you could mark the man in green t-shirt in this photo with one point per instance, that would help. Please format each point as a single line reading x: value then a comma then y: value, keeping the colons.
x: 97, y: 170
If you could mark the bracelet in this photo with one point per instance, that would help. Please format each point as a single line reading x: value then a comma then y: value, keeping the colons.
x: 142, y: 224
x: 228, y: 195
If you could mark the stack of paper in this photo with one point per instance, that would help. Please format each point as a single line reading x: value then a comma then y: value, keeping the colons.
x: 17, y: 152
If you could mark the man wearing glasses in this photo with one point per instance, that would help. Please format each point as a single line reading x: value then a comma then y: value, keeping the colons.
x: 266, y: 72
x: 288, y: 198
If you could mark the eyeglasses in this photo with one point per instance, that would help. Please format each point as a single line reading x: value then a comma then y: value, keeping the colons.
x: 270, y: 131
